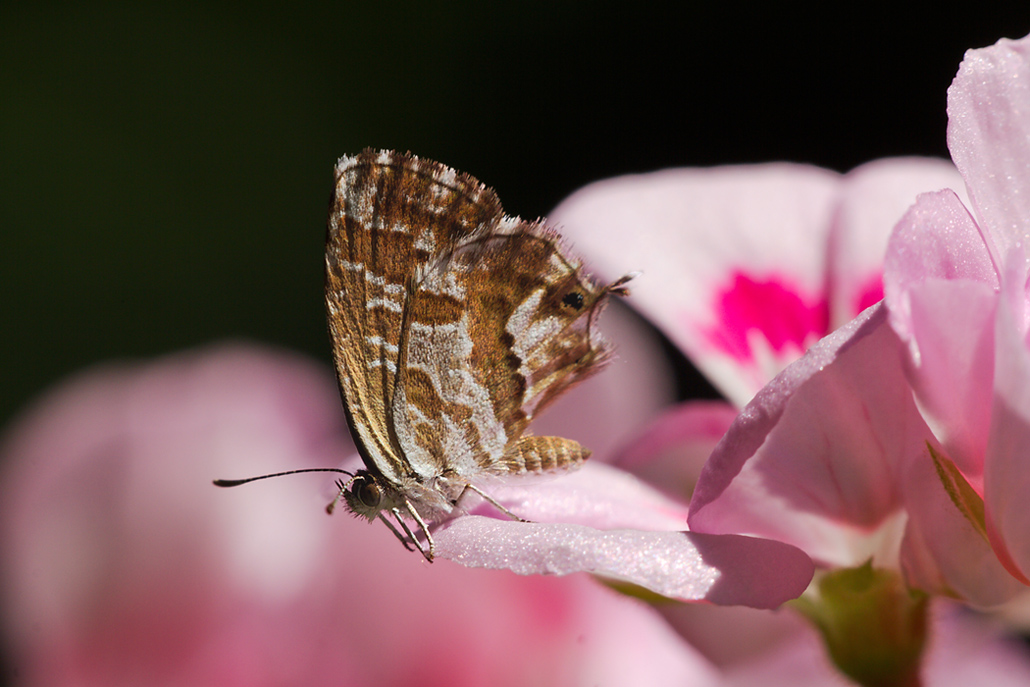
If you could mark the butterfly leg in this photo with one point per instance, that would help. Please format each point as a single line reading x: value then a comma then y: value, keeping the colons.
x: 491, y: 500
x: 431, y: 552
x: 533, y: 455
x: 400, y: 537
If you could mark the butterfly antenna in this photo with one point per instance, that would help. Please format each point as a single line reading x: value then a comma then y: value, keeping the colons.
x: 238, y: 482
x: 618, y: 287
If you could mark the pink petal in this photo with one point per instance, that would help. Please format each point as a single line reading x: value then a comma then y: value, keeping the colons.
x: 621, y: 641
x: 1006, y: 474
x: 604, y: 521
x: 942, y: 553
x: 989, y: 136
x: 812, y: 460
x: 734, y: 635
x: 699, y: 236
x: 728, y: 570
x: 873, y: 198
x: 966, y: 649
x: 952, y: 375
x: 936, y: 239
x: 670, y: 452
x: 940, y: 289
x: 963, y: 650
x: 691, y: 422
x: 596, y: 495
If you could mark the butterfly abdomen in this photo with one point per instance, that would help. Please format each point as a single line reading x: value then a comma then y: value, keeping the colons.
x: 535, y: 455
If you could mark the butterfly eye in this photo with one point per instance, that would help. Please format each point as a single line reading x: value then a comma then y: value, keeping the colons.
x: 573, y: 299
x: 368, y: 492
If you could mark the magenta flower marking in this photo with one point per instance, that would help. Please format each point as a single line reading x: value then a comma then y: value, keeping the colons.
x: 772, y: 307
x: 870, y: 293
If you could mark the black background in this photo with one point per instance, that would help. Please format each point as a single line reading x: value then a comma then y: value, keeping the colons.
x: 167, y: 166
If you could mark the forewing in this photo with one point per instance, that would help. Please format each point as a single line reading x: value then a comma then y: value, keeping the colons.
x: 391, y: 217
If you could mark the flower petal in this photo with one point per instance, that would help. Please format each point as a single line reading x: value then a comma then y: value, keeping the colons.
x: 727, y: 569
x: 989, y: 137
x: 1006, y: 474
x: 605, y: 521
x: 969, y: 649
x: 873, y: 198
x: 965, y: 650
x: 812, y: 460
x: 733, y: 259
x: 942, y: 552
x: 596, y: 495
x: 941, y: 287
x: 670, y: 452
x: 936, y: 239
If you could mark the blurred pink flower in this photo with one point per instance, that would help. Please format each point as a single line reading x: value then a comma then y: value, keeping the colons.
x: 121, y: 564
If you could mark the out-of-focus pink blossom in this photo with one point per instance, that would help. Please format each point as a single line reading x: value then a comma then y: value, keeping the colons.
x: 963, y: 650
x: 122, y: 564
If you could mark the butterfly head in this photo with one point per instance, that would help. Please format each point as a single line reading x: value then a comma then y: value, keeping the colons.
x: 364, y: 495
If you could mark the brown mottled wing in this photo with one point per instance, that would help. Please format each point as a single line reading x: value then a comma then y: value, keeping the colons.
x: 392, y: 216
x: 474, y: 375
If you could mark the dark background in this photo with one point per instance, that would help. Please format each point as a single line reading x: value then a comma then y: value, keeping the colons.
x: 167, y: 166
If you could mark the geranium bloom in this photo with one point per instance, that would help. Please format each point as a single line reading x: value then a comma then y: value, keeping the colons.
x: 836, y: 457
x: 745, y: 267
x: 956, y: 287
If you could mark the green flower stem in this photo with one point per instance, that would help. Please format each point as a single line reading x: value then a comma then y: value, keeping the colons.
x: 873, y: 625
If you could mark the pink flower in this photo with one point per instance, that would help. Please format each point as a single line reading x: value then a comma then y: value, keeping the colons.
x: 838, y: 458
x: 956, y: 289
x: 720, y: 250
x: 745, y: 267
x: 122, y: 564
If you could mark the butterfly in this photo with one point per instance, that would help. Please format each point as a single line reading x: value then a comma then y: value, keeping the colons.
x: 452, y: 326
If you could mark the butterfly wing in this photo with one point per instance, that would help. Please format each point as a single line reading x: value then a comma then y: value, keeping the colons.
x: 392, y: 216
x: 498, y: 329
